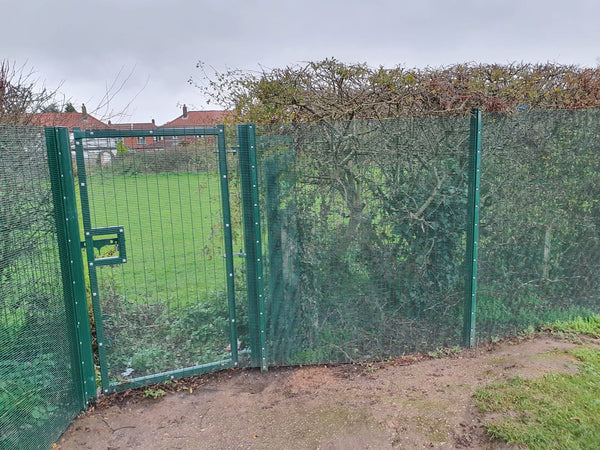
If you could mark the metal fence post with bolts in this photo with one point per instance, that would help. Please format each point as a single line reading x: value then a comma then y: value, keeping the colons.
x: 470, y: 301
x: 253, y: 243
x: 67, y: 225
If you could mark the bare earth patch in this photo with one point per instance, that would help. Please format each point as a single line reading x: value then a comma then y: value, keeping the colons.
x: 413, y: 402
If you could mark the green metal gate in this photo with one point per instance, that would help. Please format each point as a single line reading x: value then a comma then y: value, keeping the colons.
x: 156, y: 214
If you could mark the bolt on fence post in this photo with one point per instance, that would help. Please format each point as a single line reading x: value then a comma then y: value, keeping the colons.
x: 470, y: 300
x: 67, y: 226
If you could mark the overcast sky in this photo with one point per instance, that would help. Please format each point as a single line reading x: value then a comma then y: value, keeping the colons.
x: 154, y: 45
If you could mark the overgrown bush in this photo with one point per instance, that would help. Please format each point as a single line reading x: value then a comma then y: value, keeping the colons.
x: 144, y: 338
x: 175, y: 159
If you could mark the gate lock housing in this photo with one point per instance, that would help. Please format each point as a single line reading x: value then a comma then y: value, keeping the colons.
x: 107, y: 237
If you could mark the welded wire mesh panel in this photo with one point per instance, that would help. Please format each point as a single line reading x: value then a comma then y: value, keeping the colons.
x: 38, y: 395
x: 539, y: 255
x: 166, y: 308
x: 365, y: 237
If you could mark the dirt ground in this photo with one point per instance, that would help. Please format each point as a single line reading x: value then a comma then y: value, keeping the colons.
x: 413, y: 402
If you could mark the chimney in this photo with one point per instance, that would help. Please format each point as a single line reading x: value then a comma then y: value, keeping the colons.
x: 185, y: 112
x: 84, y: 110
x: 109, y: 123
x: 153, y: 123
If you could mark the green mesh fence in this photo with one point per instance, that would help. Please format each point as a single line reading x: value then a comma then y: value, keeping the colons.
x: 38, y: 393
x: 353, y: 249
x: 365, y: 238
x: 540, y: 220
x: 165, y: 309
x: 365, y: 232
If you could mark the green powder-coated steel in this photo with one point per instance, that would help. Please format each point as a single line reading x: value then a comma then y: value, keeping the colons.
x: 253, y: 243
x: 257, y: 242
x: 159, y: 244
x: 89, y: 261
x: 44, y: 337
x: 65, y: 204
x: 227, y: 233
x: 473, y: 207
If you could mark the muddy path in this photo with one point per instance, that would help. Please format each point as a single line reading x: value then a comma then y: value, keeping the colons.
x: 414, y: 402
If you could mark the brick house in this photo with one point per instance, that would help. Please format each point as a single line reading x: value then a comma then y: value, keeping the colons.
x: 94, y: 148
x: 85, y: 121
x: 189, y: 119
x: 139, y: 143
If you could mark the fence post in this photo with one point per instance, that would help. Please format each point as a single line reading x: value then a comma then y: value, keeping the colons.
x: 71, y: 260
x: 253, y: 243
x: 470, y: 300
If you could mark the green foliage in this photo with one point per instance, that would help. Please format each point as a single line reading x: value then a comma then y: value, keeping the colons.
x: 589, y: 326
x: 329, y: 90
x: 26, y: 212
x: 444, y: 352
x: 23, y: 397
x: 69, y: 108
x: 556, y: 411
x: 372, y: 210
x: 176, y: 159
x: 154, y: 393
x: 366, y: 223
x: 121, y: 149
x: 143, y: 338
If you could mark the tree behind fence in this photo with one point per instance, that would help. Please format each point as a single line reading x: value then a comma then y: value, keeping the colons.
x: 366, y: 229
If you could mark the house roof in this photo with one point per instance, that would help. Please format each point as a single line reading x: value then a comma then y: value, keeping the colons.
x: 70, y: 120
x: 87, y: 122
x: 132, y: 126
x: 198, y: 119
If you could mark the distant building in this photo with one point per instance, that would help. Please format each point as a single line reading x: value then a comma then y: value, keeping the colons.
x: 190, y: 119
x: 101, y: 149
x: 139, y: 143
x: 71, y: 120
x: 94, y: 148
x: 198, y: 119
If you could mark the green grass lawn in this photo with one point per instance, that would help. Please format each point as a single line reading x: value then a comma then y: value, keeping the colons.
x: 173, y: 230
x: 555, y: 411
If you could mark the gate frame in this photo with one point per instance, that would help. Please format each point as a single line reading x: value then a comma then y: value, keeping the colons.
x: 219, y: 132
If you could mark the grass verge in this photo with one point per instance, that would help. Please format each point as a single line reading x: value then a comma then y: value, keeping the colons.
x: 555, y: 411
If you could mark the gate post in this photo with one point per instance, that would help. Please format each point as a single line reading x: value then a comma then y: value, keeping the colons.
x: 71, y: 260
x: 470, y: 301
x: 233, y: 336
x: 253, y: 243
